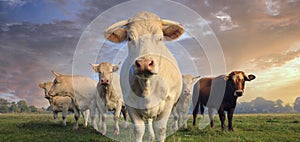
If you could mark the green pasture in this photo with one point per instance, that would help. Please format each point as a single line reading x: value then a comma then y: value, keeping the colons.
x: 248, y: 128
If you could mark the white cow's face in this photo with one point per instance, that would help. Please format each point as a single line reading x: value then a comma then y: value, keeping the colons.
x: 61, y: 85
x: 145, y: 43
x: 187, y: 84
x: 105, y: 71
x: 145, y: 33
x: 46, y: 86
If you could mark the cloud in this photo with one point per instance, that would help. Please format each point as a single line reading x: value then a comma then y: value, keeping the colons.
x: 275, y: 60
x: 29, y: 51
x: 225, y: 21
x: 14, y: 3
x: 273, y: 7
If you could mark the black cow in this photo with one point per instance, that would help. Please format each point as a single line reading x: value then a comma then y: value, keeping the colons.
x: 219, y: 93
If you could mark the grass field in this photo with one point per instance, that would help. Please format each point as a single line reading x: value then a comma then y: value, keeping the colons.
x: 248, y: 128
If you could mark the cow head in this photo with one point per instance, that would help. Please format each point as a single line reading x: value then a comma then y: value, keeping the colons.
x: 145, y: 33
x: 188, y: 81
x: 105, y: 71
x: 46, y: 86
x: 60, y: 85
x: 236, y: 81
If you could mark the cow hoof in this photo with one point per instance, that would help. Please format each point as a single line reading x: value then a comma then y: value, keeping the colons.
x: 75, y: 129
x: 116, y: 132
x: 151, y: 138
x: 102, y: 133
x: 231, y: 129
x: 126, y: 125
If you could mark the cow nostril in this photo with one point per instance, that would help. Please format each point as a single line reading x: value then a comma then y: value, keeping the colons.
x: 102, y: 80
x: 137, y: 64
x: 151, y: 63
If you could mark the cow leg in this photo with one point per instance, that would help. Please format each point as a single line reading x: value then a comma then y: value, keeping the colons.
x: 176, y: 118
x: 125, y: 115
x: 160, y: 128
x: 54, y: 116
x: 150, y: 129
x: 222, y: 118
x: 86, y: 115
x: 93, y: 108
x: 116, y: 117
x: 76, y: 116
x: 211, y: 117
x: 202, y: 110
x: 103, y: 128
x: 138, y: 124
x: 161, y: 123
x: 64, y: 115
x: 100, y: 108
x: 185, y: 119
x: 195, y: 112
x: 230, y: 116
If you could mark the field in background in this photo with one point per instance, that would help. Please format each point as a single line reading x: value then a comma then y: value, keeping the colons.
x: 248, y: 127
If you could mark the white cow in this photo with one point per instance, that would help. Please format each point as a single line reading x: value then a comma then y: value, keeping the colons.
x: 150, y: 78
x: 181, y: 109
x: 110, y: 93
x: 62, y: 104
x: 83, y: 92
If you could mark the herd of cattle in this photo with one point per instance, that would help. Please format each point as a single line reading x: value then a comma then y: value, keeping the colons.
x: 150, y: 86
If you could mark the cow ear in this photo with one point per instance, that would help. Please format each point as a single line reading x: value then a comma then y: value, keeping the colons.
x: 94, y: 67
x: 55, y: 73
x: 42, y: 85
x: 118, y: 35
x: 250, y: 77
x: 229, y: 76
x: 115, y: 33
x: 116, y: 67
x: 172, y: 30
x: 196, y: 77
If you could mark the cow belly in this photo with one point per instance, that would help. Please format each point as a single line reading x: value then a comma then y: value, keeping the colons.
x: 150, y: 113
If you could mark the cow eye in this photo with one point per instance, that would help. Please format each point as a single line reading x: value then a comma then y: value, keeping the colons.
x: 55, y: 81
x: 129, y: 39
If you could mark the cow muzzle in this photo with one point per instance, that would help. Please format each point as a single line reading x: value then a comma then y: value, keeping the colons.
x: 238, y: 93
x: 104, y: 81
x: 144, y: 66
x: 187, y: 92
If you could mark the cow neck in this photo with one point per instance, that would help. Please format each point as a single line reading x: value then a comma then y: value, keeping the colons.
x: 229, y: 92
x: 66, y: 94
x: 107, y: 90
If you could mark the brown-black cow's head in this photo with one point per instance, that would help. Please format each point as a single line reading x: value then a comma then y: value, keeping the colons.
x: 236, y: 81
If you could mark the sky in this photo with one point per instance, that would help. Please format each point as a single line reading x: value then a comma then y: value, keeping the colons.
x: 258, y: 37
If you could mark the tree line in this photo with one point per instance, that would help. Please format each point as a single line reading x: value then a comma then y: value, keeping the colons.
x: 16, y: 107
x: 258, y: 105
x: 261, y: 105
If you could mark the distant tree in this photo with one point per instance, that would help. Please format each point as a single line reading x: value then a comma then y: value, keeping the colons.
x: 244, y: 107
x: 297, y: 104
x: 4, y: 106
x: 278, y: 106
x: 49, y: 108
x: 33, y: 109
x: 14, y: 108
x: 23, y: 106
x: 262, y: 105
x: 287, y: 108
